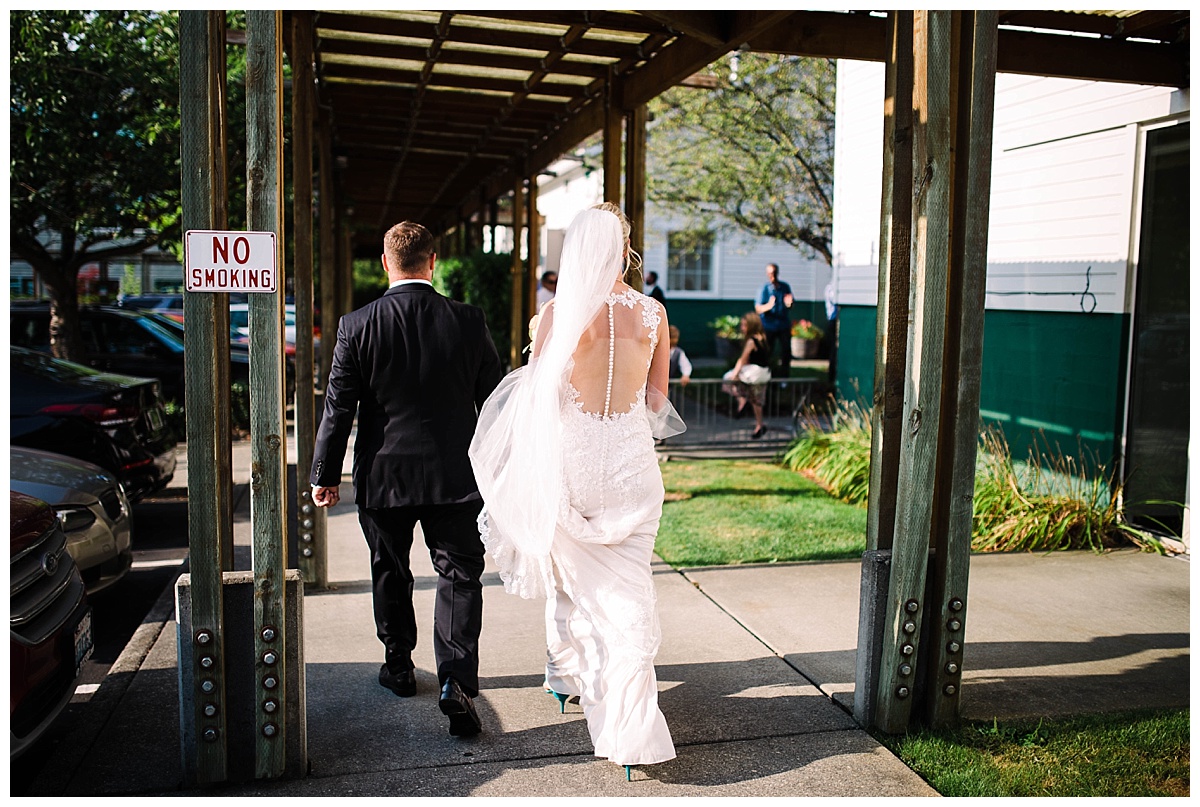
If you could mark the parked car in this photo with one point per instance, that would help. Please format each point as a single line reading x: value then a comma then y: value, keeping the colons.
x: 91, y: 506
x: 118, y: 341
x: 114, y: 421
x: 170, y: 305
x: 49, y: 622
x: 239, y: 322
x: 239, y: 351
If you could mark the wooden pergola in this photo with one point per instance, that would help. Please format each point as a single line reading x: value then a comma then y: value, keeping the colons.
x: 435, y: 116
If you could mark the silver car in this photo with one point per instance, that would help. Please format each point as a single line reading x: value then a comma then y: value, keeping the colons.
x: 91, y: 506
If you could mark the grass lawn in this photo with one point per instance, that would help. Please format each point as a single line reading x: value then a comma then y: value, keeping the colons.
x: 740, y: 511
x: 1131, y: 754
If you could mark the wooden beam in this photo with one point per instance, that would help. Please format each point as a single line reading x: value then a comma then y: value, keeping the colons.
x: 829, y: 35
x: 517, y: 326
x: 906, y: 606
x: 326, y: 245
x: 1092, y: 59
x: 613, y: 121
x: 198, y: 147
x: 535, y: 243
x: 313, y: 551
x: 635, y: 185
x: 972, y: 190
x: 835, y: 35
x: 709, y: 27
x: 684, y: 57
x: 891, y: 311
x: 456, y: 56
x: 219, y: 202
x: 268, y: 447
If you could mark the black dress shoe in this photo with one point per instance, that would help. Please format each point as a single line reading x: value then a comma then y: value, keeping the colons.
x: 403, y: 684
x: 456, y: 705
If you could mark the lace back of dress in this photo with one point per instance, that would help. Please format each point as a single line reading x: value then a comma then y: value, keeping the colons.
x: 613, y: 357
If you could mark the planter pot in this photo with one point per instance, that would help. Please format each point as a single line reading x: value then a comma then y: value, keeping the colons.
x: 804, y: 348
x: 728, y: 349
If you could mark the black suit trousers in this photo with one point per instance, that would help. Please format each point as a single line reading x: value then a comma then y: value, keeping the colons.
x: 454, y: 546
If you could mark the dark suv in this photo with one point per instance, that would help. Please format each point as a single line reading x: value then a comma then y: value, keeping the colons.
x: 49, y: 623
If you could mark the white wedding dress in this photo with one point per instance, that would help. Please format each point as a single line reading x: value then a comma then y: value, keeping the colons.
x: 564, y: 458
x: 602, y: 626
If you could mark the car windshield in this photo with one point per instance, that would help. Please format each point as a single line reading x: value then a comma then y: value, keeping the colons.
x: 40, y: 364
x: 167, y: 336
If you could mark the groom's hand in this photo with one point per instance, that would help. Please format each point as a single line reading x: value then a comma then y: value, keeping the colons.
x: 325, y: 496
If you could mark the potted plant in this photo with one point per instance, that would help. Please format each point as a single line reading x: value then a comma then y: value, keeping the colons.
x: 805, y: 339
x: 728, y: 331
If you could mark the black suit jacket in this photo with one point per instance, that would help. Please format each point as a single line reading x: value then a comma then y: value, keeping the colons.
x: 417, y: 367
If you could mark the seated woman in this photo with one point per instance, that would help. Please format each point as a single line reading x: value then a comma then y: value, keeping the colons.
x: 747, y: 381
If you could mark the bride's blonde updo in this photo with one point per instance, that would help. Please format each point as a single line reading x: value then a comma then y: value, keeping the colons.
x: 633, y: 261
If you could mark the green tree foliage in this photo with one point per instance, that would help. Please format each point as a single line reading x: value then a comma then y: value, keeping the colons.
x: 756, y: 152
x: 94, y: 153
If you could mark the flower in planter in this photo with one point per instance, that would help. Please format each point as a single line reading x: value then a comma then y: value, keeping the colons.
x: 803, y: 329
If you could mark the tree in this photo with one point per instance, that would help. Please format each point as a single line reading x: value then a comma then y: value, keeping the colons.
x: 94, y: 153
x: 756, y: 152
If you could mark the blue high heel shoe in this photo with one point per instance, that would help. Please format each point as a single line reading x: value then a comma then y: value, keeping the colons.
x: 628, y: 773
x: 562, y: 700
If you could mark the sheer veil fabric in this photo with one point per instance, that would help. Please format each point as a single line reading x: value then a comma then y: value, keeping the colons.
x: 517, y: 450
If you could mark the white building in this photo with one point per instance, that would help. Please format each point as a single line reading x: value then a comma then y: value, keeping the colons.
x: 1087, y: 307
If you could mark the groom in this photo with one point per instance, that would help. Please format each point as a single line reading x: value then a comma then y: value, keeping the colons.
x: 417, y: 367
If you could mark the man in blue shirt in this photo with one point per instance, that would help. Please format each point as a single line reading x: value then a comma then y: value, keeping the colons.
x: 774, y: 302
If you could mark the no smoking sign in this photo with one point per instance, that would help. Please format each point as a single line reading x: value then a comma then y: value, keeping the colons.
x: 230, y: 261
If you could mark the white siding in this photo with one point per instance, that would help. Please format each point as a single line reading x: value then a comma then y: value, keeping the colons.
x: 1063, y: 188
x: 739, y: 263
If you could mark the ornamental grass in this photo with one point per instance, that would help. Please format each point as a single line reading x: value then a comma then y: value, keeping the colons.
x: 1052, y: 501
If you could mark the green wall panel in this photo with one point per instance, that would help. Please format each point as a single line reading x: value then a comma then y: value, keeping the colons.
x: 1045, y: 374
x: 692, y: 318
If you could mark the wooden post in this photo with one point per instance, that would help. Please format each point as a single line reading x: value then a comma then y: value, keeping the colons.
x: 220, y: 221
x: 906, y: 604
x: 493, y: 219
x: 961, y: 383
x: 891, y: 317
x: 328, y: 247
x: 346, y: 265
x: 635, y: 184
x: 535, y: 251
x: 891, y: 342
x: 268, y: 448
x: 313, y: 554
x: 198, y: 149
x: 517, y: 327
x: 613, y: 120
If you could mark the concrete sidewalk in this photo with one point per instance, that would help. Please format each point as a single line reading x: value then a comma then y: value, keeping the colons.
x: 756, y: 674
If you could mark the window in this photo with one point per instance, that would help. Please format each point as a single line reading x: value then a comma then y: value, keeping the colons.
x: 689, y: 260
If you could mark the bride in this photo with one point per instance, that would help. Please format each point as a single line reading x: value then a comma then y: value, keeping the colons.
x: 564, y: 458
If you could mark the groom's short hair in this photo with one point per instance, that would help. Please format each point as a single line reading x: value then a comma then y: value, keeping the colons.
x: 408, y: 246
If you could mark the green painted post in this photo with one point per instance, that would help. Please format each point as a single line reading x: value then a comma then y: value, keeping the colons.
x: 205, y: 483
x: 268, y: 450
x: 311, y: 519
x: 951, y: 566
x: 919, y: 440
